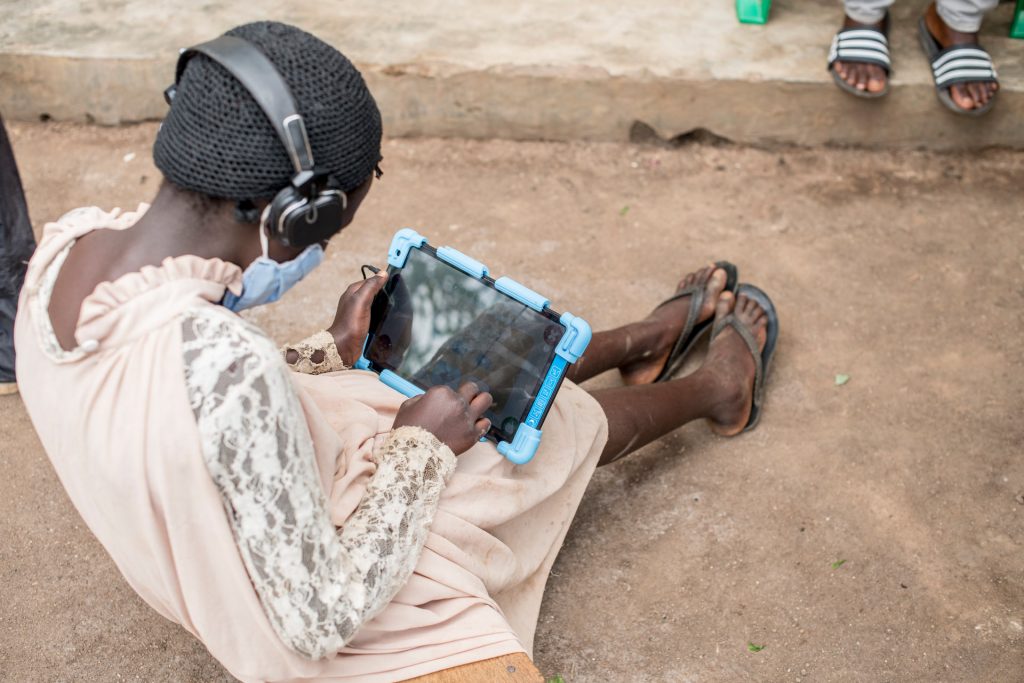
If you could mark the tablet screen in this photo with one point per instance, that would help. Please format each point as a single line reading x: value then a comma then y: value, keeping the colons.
x: 434, y: 324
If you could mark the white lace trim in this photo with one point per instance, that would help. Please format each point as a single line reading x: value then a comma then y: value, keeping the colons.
x: 306, y: 350
x: 318, y: 584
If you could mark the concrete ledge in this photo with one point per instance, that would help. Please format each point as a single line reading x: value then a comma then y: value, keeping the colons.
x: 454, y: 68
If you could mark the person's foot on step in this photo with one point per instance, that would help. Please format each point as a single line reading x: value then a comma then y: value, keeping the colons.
x: 868, y: 77
x: 731, y: 366
x: 666, y: 323
x: 965, y: 95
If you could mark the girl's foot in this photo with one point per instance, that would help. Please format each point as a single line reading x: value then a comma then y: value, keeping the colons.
x: 731, y: 366
x: 665, y: 324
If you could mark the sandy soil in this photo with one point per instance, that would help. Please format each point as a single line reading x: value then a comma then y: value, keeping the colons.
x: 904, y: 271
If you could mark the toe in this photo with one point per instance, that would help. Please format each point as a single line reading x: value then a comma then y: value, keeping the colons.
x: 754, y: 312
x: 725, y: 304
x: 712, y: 292
x: 742, y: 304
x: 716, y: 283
x: 875, y: 78
x: 977, y: 94
x: 761, y: 331
x: 862, y: 78
x: 961, y: 97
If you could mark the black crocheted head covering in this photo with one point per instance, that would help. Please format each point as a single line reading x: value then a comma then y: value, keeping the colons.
x: 218, y: 142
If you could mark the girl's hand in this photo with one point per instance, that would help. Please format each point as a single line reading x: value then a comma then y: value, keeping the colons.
x: 453, y: 417
x: 352, y: 321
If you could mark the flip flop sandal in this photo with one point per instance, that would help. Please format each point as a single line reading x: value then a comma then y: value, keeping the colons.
x: 955, y: 64
x: 762, y: 360
x: 861, y: 45
x: 693, y: 330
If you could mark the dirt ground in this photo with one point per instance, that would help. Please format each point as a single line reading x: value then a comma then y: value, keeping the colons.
x: 866, y: 532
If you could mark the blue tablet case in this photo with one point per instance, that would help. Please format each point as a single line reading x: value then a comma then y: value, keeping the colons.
x: 572, y: 345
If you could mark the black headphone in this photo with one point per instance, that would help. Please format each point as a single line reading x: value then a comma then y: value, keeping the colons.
x: 307, y: 211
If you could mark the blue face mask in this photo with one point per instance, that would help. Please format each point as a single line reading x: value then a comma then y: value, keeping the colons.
x: 266, y: 280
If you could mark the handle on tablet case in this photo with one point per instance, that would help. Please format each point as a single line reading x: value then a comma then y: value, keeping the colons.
x: 523, y: 447
x: 546, y: 393
x: 521, y: 293
x: 464, y: 263
x: 576, y: 338
x: 402, y: 386
x: 401, y: 244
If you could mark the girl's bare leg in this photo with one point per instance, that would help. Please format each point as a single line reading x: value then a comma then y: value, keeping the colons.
x: 720, y: 391
x: 639, y: 350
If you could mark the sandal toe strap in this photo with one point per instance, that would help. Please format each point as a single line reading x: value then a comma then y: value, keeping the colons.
x: 748, y: 338
x: 968, y: 64
x: 861, y: 46
x: 696, y: 293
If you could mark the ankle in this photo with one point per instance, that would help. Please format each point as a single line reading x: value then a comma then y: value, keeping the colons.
x: 850, y: 22
x: 707, y: 383
x: 725, y: 398
x: 943, y: 32
x: 936, y: 26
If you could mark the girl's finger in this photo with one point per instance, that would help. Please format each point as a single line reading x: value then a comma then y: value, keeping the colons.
x: 468, y: 391
x: 480, y: 403
x: 363, y: 293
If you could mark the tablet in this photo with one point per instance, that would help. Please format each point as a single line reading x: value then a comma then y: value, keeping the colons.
x: 442, y: 320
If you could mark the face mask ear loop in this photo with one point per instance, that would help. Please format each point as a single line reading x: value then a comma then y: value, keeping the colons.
x: 264, y: 229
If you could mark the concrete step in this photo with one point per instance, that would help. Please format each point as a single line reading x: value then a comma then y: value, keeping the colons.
x: 554, y: 70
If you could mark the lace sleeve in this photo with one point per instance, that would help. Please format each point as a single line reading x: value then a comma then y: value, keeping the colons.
x: 317, y: 584
x: 314, y: 355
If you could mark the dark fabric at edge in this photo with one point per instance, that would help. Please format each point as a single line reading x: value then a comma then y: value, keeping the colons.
x: 17, y: 244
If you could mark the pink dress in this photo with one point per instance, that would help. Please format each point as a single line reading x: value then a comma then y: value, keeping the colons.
x: 275, y: 515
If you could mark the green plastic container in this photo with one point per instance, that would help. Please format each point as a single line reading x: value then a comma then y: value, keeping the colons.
x: 1017, y: 27
x: 756, y: 11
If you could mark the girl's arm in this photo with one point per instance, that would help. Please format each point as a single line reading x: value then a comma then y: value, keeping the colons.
x: 317, y: 583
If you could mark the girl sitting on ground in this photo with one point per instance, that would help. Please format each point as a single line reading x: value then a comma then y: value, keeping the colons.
x: 300, y: 518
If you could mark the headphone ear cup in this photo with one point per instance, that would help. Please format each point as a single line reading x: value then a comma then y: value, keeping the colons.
x: 297, y: 221
x: 283, y: 205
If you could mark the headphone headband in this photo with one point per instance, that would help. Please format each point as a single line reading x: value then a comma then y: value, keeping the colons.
x: 257, y: 73
x: 307, y: 210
